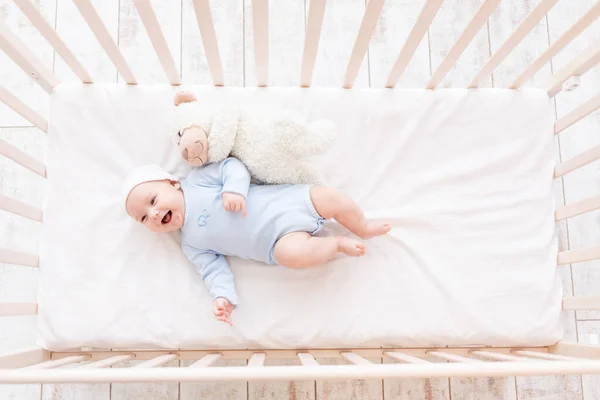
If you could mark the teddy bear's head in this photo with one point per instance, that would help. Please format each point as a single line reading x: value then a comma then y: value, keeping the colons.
x: 200, y: 134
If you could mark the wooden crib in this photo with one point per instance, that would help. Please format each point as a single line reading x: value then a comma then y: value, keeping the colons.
x: 38, y: 365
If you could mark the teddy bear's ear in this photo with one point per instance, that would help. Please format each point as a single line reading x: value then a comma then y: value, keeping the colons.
x: 184, y: 97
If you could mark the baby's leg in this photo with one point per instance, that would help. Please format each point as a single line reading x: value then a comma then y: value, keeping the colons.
x: 330, y: 203
x: 301, y: 250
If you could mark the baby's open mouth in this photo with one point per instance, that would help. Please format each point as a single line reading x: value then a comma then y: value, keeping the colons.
x: 167, y: 218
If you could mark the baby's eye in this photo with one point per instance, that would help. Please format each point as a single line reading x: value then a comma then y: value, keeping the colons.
x: 179, y: 134
x: 144, y: 219
x: 153, y: 201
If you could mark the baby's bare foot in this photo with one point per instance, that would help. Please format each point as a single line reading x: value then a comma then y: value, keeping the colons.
x: 376, y: 228
x: 351, y: 247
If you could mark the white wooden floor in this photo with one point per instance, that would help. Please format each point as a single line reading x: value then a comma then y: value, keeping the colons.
x: 288, y: 17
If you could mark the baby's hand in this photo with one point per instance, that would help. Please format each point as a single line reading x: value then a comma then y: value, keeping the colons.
x: 222, y: 310
x: 234, y: 202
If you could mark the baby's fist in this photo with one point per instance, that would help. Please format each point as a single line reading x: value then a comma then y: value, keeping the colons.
x: 222, y: 309
x: 234, y: 202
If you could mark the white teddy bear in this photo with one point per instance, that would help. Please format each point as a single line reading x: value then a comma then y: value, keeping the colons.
x: 273, y: 143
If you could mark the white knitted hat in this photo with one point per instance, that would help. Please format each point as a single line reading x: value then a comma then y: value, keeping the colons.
x: 146, y: 173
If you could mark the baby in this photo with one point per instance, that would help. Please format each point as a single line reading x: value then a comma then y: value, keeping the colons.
x: 221, y: 214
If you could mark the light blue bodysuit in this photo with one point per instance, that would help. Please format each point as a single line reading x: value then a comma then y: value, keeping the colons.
x: 209, y: 232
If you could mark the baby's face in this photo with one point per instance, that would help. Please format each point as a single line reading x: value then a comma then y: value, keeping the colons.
x: 158, y: 205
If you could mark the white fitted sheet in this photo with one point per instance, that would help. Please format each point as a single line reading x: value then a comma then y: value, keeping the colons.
x: 465, y: 176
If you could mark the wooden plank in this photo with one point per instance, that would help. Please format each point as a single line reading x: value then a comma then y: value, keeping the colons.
x: 228, y: 18
x: 207, y: 361
x: 12, y: 309
x: 578, y: 161
x: 25, y: 59
x: 19, y: 208
x: 260, y: 23
x: 31, y: 10
x: 19, y: 258
x: 334, y: 389
x: 578, y: 66
x: 215, y: 390
x: 473, y: 27
x: 159, y: 42
x: 398, y: 356
x: 146, y: 391
x: 281, y: 389
x: 22, y: 158
x: 57, y: 363
x: 24, y: 357
x: 340, y: 26
x: 361, y: 44
x: 571, y: 33
x: 577, y: 114
x: 157, y: 362
x: 354, y: 358
x: 581, y: 303
x: 452, y: 357
x: 307, y: 359
x: 102, y: 34
x: 108, y: 362
x: 11, y: 76
x: 588, y: 333
x: 415, y: 37
x: 578, y: 350
x: 579, y: 255
x: 257, y: 360
x: 578, y: 208
x: 528, y: 23
x: 22, y: 109
x: 316, y: 13
x: 209, y: 40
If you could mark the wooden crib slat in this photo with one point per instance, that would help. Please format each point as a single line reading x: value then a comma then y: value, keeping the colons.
x: 577, y: 208
x: 12, y: 309
x: 473, y: 27
x: 578, y: 66
x: 498, y: 356
x: 25, y: 59
x: 522, y: 30
x: 157, y: 38
x: 22, y: 109
x: 577, y: 114
x: 107, y: 362
x: 367, y: 27
x: 207, y: 361
x: 257, y: 360
x: 58, y: 363
x: 157, y: 361
x: 20, y: 157
x: 396, y: 355
x: 307, y: 359
x: 578, y: 161
x: 19, y: 258
x: 355, y: 358
x: 581, y: 303
x: 209, y: 40
x: 452, y: 357
x: 32, y: 12
x: 19, y: 208
x: 91, y: 17
x: 23, y: 357
x: 316, y: 13
x: 260, y: 22
x: 415, y: 37
x: 580, y: 350
x: 544, y: 356
x: 560, y: 43
x: 579, y: 255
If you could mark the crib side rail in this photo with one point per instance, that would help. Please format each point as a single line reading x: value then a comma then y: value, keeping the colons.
x: 40, y: 366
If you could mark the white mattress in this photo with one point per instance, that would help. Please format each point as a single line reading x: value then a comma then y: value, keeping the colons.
x: 465, y: 176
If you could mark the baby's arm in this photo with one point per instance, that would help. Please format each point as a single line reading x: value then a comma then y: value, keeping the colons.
x: 236, y: 181
x: 216, y: 274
